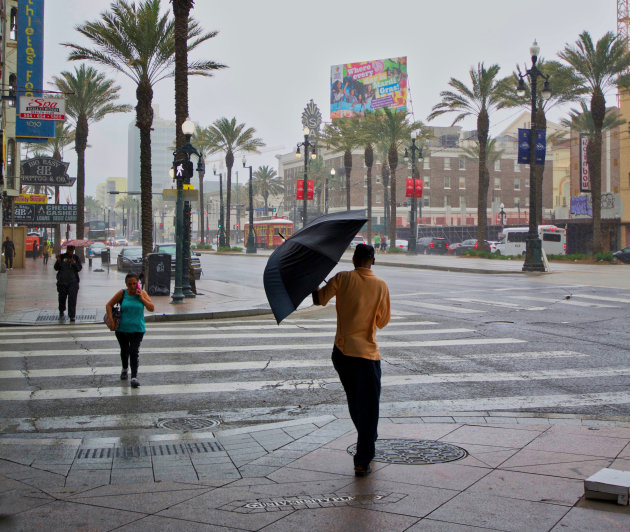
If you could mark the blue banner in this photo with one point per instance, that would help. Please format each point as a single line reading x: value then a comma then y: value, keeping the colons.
x: 524, y: 146
x: 30, y: 69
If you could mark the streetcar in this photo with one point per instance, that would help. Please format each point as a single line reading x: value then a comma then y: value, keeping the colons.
x: 270, y: 232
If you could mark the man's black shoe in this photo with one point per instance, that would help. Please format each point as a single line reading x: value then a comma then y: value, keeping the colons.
x: 362, y: 470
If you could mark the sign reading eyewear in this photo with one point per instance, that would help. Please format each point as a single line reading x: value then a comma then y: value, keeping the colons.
x: 45, y: 171
x: 30, y: 69
x: 42, y: 107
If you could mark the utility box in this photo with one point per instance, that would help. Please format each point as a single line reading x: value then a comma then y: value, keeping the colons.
x: 105, y: 257
x: 157, y: 279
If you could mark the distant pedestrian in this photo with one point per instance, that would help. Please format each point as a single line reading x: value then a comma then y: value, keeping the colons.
x: 68, y: 266
x: 45, y: 252
x: 35, y: 250
x: 384, y: 243
x: 8, y: 248
x: 362, y: 305
x: 377, y: 241
x: 133, y: 300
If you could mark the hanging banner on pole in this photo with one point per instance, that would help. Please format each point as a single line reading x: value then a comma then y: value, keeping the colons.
x: 300, y: 189
x: 524, y: 146
x: 409, y: 193
x: 585, y: 176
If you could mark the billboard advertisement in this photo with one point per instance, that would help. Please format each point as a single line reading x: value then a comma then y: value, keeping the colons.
x: 30, y: 69
x: 357, y: 88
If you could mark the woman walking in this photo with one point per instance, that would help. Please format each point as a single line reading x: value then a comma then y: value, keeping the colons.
x: 133, y: 300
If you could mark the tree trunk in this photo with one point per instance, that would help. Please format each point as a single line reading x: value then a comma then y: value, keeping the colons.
x: 347, y: 163
x: 144, y: 121
x: 483, y: 126
x: 369, y: 161
x: 181, y: 11
x: 392, y: 157
x: 594, y: 154
x: 385, y: 179
x: 229, y: 162
x: 80, y: 143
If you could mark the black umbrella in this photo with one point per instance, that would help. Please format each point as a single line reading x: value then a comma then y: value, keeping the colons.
x: 304, y: 260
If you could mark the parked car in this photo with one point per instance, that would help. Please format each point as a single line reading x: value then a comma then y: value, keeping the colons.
x: 623, y: 255
x: 452, y: 248
x: 171, y: 249
x: 432, y: 245
x: 130, y: 260
x: 402, y: 244
x: 121, y: 242
x: 470, y: 244
x: 97, y: 248
x: 493, y: 245
x: 357, y: 240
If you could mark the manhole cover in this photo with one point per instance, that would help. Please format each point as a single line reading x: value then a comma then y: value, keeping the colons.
x: 54, y: 316
x: 415, y: 452
x: 187, y: 423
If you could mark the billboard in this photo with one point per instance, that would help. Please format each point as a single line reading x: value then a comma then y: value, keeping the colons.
x: 357, y: 88
x: 43, y: 107
x: 30, y: 69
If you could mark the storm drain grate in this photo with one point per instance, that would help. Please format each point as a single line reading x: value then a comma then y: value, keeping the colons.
x: 54, y: 316
x: 187, y: 423
x: 415, y: 452
x: 138, y: 451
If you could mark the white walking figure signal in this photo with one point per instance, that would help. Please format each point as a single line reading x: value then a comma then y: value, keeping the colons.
x: 180, y: 170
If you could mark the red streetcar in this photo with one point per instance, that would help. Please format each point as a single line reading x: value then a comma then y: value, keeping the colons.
x: 268, y: 231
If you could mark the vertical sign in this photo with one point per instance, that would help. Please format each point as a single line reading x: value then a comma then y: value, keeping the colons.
x: 30, y: 68
x: 585, y: 178
x: 299, y: 190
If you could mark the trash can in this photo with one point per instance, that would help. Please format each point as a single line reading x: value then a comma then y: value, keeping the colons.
x: 158, y: 274
x: 105, y: 257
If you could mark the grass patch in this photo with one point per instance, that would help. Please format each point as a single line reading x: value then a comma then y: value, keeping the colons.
x: 204, y: 246
x: 395, y: 250
x: 485, y: 255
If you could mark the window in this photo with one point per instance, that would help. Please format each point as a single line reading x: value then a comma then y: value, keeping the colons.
x: 462, y: 183
x: 517, y: 202
x: 462, y: 202
x: 527, y: 202
x: 13, y: 24
x: 427, y: 164
x: 517, y: 166
x: 447, y: 201
x: 426, y: 182
x: 447, y: 163
x: 12, y: 87
x: 517, y: 183
x: 497, y: 183
x: 426, y: 202
x: 11, y: 158
x: 378, y: 198
x: 447, y: 182
x: 497, y: 165
x: 378, y: 179
x: 462, y: 163
x: 527, y: 182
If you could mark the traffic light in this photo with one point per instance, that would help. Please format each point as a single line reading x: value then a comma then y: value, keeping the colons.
x: 220, y: 226
x: 274, y: 209
x: 237, y: 226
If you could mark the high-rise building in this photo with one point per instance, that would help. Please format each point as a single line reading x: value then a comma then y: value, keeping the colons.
x: 162, y: 145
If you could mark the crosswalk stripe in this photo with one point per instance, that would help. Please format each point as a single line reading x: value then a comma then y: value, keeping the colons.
x: 267, y: 364
x: 495, y: 303
x: 271, y: 347
x: 306, y: 384
x: 435, y: 306
x: 602, y: 298
x: 224, y: 336
x: 568, y: 302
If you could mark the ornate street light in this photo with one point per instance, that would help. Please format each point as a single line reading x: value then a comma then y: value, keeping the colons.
x: 413, y: 226
x: 251, y: 238
x: 182, y: 171
x: 533, y: 253
x: 332, y: 176
x: 502, y: 215
x: 221, y: 212
x: 307, y: 144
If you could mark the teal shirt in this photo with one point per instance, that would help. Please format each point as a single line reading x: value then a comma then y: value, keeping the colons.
x: 132, y: 314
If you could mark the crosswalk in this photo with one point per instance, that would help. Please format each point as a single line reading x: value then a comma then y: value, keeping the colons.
x: 66, y: 378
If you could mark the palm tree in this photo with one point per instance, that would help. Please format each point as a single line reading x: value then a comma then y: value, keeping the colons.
x: 139, y: 42
x: 394, y: 129
x: 478, y: 100
x: 93, y: 207
x: 566, y: 88
x: 90, y: 97
x: 368, y: 135
x: 266, y: 182
x: 342, y: 136
x: 599, y: 66
x: 231, y: 138
x: 581, y: 120
x: 382, y: 149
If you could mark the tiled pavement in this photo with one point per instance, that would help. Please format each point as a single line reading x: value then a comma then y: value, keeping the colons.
x: 519, y: 472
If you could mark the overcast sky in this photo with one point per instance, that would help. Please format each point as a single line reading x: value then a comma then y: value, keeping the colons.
x: 279, y: 54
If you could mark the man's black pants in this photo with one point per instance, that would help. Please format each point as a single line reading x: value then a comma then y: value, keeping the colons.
x: 69, y: 292
x: 130, y: 350
x: 8, y: 260
x: 361, y: 379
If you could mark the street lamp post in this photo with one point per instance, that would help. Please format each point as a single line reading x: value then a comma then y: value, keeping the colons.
x: 307, y: 144
x: 221, y: 213
x: 332, y: 176
x: 251, y: 239
x: 181, y: 171
x: 413, y: 226
x: 502, y: 214
x: 533, y: 249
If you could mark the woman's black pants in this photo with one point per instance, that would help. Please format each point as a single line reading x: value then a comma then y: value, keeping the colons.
x: 361, y: 379
x: 130, y: 350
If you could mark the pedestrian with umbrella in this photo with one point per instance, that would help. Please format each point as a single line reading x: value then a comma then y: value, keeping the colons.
x: 68, y: 266
x: 362, y: 305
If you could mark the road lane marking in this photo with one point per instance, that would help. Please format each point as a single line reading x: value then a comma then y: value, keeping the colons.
x: 495, y: 303
x: 435, y: 306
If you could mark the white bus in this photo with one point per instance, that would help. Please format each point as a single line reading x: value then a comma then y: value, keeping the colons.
x: 512, y: 243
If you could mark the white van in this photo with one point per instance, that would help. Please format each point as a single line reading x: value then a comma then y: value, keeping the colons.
x: 512, y: 243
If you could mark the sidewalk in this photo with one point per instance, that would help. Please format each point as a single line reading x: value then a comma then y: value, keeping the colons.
x: 452, y: 472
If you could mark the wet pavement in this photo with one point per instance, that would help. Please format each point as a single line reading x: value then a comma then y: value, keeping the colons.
x: 451, y: 472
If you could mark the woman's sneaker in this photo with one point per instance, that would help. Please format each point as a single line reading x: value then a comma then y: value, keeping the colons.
x: 135, y: 382
x: 123, y: 375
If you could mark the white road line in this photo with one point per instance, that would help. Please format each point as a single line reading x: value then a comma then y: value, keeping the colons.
x: 267, y: 364
x: 567, y: 302
x: 495, y: 303
x: 274, y: 348
x: 602, y: 298
x: 224, y: 336
x: 305, y: 384
x: 435, y: 306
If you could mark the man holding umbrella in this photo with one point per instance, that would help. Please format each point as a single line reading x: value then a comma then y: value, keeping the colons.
x: 68, y: 266
x: 362, y: 306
